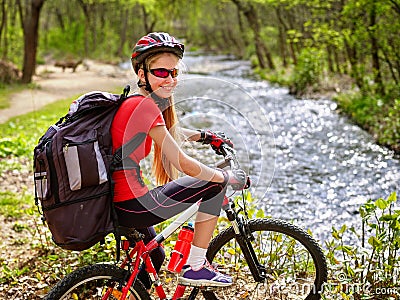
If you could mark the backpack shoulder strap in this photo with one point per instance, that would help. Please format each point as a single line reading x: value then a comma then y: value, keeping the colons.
x: 126, y: 149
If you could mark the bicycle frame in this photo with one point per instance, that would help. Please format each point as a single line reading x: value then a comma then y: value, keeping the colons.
x: 142, y: 251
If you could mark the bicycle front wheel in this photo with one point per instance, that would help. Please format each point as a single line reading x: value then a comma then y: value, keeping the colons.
x: 96, y: 282
x: 291, y: 261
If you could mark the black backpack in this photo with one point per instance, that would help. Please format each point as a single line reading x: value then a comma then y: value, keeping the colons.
x: 73, y: 164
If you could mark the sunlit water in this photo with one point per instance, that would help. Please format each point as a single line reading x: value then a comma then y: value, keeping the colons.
x: 309, y: 165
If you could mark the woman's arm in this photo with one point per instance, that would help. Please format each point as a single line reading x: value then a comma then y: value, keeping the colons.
x: 190, y: 134
x: 180, y: 160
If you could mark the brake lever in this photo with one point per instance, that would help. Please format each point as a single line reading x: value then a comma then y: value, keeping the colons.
x: 230, y: 156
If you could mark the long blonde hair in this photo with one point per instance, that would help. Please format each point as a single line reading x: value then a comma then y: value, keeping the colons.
x: 162, y: 169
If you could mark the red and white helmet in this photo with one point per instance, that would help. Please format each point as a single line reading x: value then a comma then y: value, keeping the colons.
x: 153, y: 43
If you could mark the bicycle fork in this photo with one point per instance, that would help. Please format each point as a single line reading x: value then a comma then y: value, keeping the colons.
x: 244, y: 237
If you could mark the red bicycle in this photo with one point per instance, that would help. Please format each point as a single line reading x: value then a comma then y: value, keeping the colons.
x: 268, y: 259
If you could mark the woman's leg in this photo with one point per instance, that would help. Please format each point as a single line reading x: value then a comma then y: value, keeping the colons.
x: 212, y: 196
x: 203, y: 229
x: 166, y: 201
x: 172, y: 198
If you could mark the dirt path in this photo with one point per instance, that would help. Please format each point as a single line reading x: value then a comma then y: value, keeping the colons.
x: 54, y: 84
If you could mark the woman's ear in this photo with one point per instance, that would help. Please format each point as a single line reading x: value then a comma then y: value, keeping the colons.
x: 140, y: 75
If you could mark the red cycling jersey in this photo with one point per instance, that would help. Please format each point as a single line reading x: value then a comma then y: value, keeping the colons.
x: 136, y: 114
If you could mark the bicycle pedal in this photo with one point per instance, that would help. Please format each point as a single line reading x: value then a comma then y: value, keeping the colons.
x: 210, y: 288
x: 201, y: 287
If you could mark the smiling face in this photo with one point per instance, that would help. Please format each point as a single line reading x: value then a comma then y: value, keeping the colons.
x: 162, y: 87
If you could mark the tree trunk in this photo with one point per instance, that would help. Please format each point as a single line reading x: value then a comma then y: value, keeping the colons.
x: 395, y: 6
x: 282, y: 36
x: 376, y: 68
x: 329, y: 58
x: 392, y: 69
x: 337, y: 62
x: 30, y: 24
x: 148, y: 26
x: 284, y: 28
x: 3, y: 26
x: 282, y: 46
x: 352, y: 56
x: 262, y: 51
x: 85, y: 9
x: 124, y: 15
x: 3, y: 17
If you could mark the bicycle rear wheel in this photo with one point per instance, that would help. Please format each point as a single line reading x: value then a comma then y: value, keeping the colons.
x: 293, y: 263
x: 93, y: 282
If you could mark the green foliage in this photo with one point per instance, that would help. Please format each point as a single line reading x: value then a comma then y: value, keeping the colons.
x: 369, y: 268
x: 13, y: 48
x: 12, y: 275
x: 379, y: 115
x: 66, y: 42
x: 14, y: 205
x: 281, y: 76
x: 315, y: 37
x: 20, y: 134
x: 307, y: 72
x: 70, y: 42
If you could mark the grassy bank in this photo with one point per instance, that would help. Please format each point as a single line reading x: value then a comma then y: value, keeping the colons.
x: 379, y: 116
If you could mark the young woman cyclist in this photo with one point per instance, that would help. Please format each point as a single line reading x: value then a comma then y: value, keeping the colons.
x: 155, y: 59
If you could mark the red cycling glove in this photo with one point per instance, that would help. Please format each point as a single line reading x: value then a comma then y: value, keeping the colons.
x: 215, y: 139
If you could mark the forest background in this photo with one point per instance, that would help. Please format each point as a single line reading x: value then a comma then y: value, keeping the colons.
x: 348, y: 49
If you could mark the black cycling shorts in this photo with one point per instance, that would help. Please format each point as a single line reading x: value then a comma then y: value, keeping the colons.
x: 168, y: 200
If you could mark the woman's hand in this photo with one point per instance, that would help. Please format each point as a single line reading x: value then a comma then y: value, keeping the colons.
x: 238, y: 179
x: 215, y: 139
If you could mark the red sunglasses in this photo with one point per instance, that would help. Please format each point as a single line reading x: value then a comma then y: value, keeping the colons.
x: 164, y: 73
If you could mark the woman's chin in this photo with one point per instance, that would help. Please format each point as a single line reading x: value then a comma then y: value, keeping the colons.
x: 164, y: 93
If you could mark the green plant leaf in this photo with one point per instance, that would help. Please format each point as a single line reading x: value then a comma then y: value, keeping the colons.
x: 374, y: 242
x: 392, y: 198
x: 388, y: 217
x: 343, y: 229
x: 381, y: 203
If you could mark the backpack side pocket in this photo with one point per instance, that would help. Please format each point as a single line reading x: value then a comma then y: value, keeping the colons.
x: 84, y: 161
x: 41, y: 182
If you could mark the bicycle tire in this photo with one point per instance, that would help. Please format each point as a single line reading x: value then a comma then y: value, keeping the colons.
x: 287, y: 249
x: 92, y: 281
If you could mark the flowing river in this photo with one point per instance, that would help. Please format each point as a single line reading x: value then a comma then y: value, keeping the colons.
x: 308, y: 164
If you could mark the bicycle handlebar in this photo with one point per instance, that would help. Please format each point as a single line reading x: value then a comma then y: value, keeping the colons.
x: 230, y: 159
